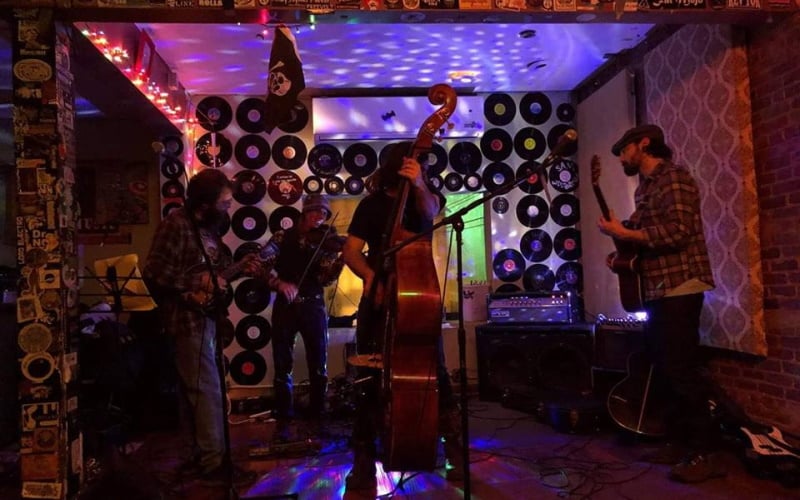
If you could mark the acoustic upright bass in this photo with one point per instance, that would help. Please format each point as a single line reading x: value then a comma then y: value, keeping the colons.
x: 624, y: 262
x: 410, y: 389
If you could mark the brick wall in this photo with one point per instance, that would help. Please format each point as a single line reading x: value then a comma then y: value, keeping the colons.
x: 769, y: 388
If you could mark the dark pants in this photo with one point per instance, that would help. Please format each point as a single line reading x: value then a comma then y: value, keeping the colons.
x: 672, y: 341
x: 311, y: 321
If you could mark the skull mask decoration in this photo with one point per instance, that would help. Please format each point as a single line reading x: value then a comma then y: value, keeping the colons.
x: 278, y: 83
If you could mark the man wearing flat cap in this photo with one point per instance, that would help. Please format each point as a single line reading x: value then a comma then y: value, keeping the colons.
x: 301, y: 261
x: 667, y: 229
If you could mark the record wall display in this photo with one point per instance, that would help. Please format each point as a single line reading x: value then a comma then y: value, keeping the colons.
x: 354, y: 185
x: 248, y: 187
x: 172, y: 189
x: 535, y: 108
x: 360, y: 160
x: 500, y: 205
x: 555, y: 134
x: 435, y: 159
x: 249, y: 114
x: 530, y: 170
x: 565, y: 210
x: 173, y: 145
x: 284, y: 187
x: 244, y: 249
x: 496, y: 175
x: 334, y: 185
x: 569, y: 277
x: 289, y: 152
x: 507, y: 288
x: 298, y: 119
x: 213, y: 149
x: 564, y: 176
x: 172, y: 168
x: 312, y: 184
x: 496, y: 144
x: 436, y: 182
x: 249, y: 223
x: 538, y: 278
x: 213, y: 113
x: 225, y: 331
x: 453, y: 181
x: 565, y: 112
x: 567, y: 243
x: 253, y: 332
x: 530, y: 143
x: 251, y: 296
x: 473, y: 182
x: 324, y: 160
x: 248, y: 368
x: 499, y: 109
x: 252, y: 151
x: 465, y: 158
x: 508, y: 264
x: 283, y: 218
x: 532, y: 211
x: 536, y: 245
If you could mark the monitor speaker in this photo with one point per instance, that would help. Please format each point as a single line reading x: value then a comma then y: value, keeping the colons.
x: 543, y: 359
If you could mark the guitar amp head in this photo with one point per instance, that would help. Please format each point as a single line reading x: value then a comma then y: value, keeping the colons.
x: 530, y: 308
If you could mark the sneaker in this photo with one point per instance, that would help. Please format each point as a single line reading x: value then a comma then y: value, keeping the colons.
x: 667, y: 454
x: 697, y: 468
x: 219, y: 477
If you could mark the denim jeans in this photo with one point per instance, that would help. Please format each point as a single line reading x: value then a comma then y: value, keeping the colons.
x: 311, y: 321
x: 195, y: 359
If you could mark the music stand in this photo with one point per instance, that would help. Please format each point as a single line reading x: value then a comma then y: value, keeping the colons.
x: 121, y: 278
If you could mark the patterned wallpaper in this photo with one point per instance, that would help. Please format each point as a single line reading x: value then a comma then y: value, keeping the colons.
x: 697, y: 88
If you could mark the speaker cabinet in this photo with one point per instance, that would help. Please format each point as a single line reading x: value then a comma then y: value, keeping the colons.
x: 613, y: 344
x: 527, y: 359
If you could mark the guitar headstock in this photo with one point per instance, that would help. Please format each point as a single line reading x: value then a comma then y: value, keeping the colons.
x: 597, y: 169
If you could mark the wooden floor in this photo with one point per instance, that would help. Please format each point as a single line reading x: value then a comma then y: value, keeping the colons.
x: 512, y: 456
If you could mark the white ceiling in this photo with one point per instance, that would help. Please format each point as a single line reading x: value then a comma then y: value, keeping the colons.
x: 233, y: 59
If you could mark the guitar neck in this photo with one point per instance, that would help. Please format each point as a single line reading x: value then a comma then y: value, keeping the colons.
x: 601, y: 200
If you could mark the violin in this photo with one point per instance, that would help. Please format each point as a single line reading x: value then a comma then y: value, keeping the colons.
x: 325, y: 239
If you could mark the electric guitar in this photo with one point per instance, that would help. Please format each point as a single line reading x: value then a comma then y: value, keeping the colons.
x: 768, y: 455
x: 624, y: 262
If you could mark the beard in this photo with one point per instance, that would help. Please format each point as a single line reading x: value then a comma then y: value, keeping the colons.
x: 212, y: 219
x: 630, y: 170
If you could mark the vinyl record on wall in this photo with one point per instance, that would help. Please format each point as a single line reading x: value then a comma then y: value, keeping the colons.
x: 496, y: 144
x: 253, y: 332
x: 252, y: 151
x: 213, y: 149
x: 530, y: 170
x: 172, y: 189
x: 225, y: 331
x: 508, y: 264
x: 298, y: 119
x: 532, y: 211
x: 473, y: 182
x: 496, y: 175
x: 565, y: 210
x: 565, y: 112
x: 567, y: 243
x: 249, y: 114
x: 507, y: 288
x: 284, y: 187
x: 569, y: 277
x: 173, y: 145
x: 536, y: 245
x: 360, y: 160
x: 334, y: 185
x: 500, y: 205
x: 324, y: 160
x: 248, y: 368
x: 436, y: 182
x: 312, y: 184
x: 436, y: 159
x: 283, y: 218
x: 248, y: 187
x: 213, y: 113
x: 499, y: 109
x: 251, y: 296
x: 535, y: 108
x: 244, y: 249
x: 529, y: 143
x: 538, y: 278
x: 354, y: 185
x: 555, y: 134
x: 171, y: 168
x: 289, y: 152
x: 465, y: 158
x: 563, y: 176
x: 453, y: 181
x: 249, y: 223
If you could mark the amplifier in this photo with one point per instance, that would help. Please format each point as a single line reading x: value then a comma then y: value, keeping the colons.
x: 529, y: 307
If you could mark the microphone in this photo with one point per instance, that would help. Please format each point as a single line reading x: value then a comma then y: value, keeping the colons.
x: 566, y: 139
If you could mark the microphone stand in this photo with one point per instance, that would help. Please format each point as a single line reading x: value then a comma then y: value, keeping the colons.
x: 456, y: 220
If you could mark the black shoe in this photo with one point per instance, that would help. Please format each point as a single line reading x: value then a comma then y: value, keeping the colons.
x: 219, y: 477
x: 698, y: 468
x: 667, y: 454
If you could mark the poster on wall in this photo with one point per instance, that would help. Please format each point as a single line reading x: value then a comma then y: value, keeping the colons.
x: 112, y: 192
